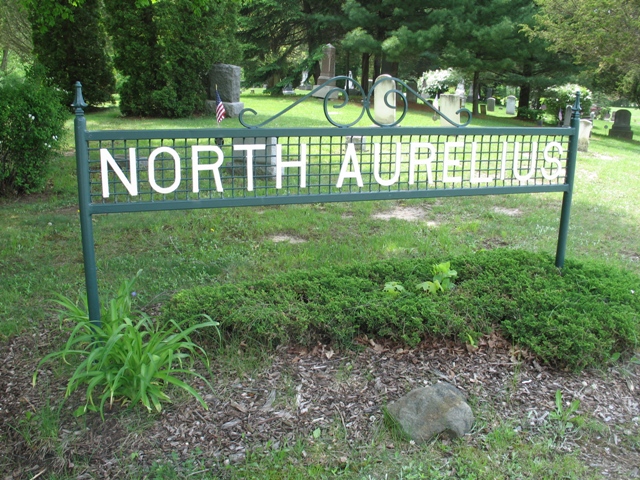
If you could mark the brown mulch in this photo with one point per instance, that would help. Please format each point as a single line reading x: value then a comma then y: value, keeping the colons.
x: 300, y: 390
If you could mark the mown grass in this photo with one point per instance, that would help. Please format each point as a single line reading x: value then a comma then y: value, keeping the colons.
x: 40, y: 254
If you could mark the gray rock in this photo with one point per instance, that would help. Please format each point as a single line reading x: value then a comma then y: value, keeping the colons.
x: 425, y: 412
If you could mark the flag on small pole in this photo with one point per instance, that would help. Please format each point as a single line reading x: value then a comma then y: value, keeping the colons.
x: 220, y: 111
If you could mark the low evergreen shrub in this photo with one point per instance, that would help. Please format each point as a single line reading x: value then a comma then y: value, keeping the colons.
x: 577, y: 317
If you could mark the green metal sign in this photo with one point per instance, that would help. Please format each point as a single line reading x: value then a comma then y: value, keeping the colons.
x: 151, y: 170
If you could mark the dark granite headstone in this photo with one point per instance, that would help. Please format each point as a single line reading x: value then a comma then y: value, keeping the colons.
x: 226, y: 78
x: 622, y: 125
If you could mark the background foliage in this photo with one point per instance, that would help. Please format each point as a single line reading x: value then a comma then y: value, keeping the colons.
x: 31, y: 127
x: 165, y: 50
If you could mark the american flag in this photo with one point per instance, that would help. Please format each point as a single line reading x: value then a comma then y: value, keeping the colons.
x: 220, y: 111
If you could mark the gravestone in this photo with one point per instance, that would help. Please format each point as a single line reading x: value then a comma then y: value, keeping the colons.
x: 327, y: 72
x: 511, y: 105
x: 288, y: 90
x: 383, y: 113
x: 449, y: 105
x: 489, y: 92
x: 411, y: 97
x: 622, y: 125
x: 585, y: 133
x: 226, y: 78
x: 483, y: 109
x: 304, y: 83
x: 264, y: 160
x: 351, y: 86
x: 491, y: 104
x: 359, y: 142
x: 568, y: 111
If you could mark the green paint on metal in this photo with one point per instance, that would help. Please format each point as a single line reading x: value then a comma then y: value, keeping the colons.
x: 152, y: 170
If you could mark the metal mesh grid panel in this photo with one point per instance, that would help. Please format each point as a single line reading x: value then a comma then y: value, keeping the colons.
x: 328, y: 166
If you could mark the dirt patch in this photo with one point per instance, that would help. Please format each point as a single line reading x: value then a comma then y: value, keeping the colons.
x: 286, y: 238
x: 302, y: 389
x: 601, y: 156
x: 409, y: 214
x: 511, y: 212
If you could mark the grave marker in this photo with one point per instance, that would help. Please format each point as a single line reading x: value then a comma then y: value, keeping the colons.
x: 622, y: 125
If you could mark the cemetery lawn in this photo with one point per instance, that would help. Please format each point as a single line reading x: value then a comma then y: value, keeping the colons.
x: 254, y: 428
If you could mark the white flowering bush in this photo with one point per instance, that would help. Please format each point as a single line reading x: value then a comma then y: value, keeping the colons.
x: 436, y: 82
x: 557, y: 98
x: 31, y: 125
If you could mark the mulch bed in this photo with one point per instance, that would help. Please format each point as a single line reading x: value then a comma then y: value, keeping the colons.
x: 301, y: 390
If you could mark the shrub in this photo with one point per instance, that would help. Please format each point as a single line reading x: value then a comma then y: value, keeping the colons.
x: 31, y: 127
x: 129, y: 358
x: 557, y: 98
x: 530, y: 113
x: 436, y: 82
x: 576, y: 317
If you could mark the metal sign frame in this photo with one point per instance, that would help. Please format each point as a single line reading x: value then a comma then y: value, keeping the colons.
x: 151, y: 170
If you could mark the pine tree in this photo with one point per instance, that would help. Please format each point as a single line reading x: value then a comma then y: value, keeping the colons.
x: 74, y: 48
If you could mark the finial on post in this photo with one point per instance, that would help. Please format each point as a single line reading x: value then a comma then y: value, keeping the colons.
x: 79, y: 103
x: 576, y: 108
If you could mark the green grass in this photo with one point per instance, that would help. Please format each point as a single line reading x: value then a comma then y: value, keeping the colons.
x: 40, y: 255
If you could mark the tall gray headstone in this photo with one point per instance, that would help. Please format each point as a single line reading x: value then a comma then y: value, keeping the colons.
x: 511, y: 105
x: 622, y: 125
x: 226, y: 78
x: 264, y: 160
x: 491, y: 104
x: 568, y: 111
x: 327, y: 72
x: 411, y: 97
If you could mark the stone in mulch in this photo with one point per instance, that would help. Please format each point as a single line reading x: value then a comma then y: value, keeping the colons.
x: 426, y: 412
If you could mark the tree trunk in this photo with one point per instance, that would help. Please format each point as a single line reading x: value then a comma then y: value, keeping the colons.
x: 365, y: 73
x: 377, y: 65
x: 525, y: 96
x: 5, y: 59
x: 476, y: 89
x: 524, y: 99
x: 390, y: 68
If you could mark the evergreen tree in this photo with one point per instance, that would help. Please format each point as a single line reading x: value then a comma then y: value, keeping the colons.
x: 165, y: 50
x: 391, y: 30
x: 73, y: 48
x: 282, y: 38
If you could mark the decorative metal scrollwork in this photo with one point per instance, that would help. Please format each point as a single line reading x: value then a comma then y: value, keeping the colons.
x: 366, y: 103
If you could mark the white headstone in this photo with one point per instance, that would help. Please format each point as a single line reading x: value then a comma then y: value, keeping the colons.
x: 511, y: 105
x: 585, y: 134
x: 491, y: 104
x: 449, y: 105
x: 384, y: 114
